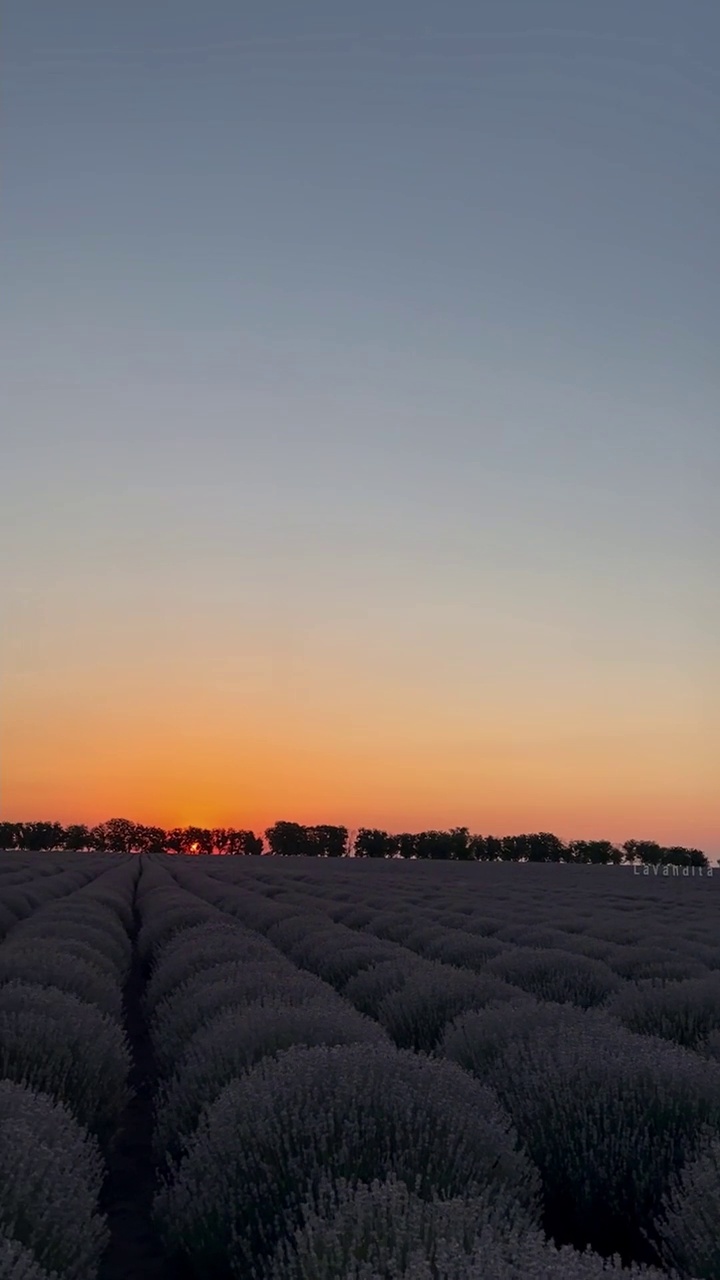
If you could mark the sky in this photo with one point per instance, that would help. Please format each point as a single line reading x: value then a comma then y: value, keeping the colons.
x: 360, y: 415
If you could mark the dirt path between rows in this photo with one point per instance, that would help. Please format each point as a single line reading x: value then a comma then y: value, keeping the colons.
x: 134, y: 1251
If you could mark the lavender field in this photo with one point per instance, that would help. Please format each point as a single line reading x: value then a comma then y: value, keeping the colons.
x: 268, y: 1068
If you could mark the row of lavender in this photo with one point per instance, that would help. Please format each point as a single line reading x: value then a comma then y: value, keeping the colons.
x: 621, y: 1122
x: 559, y: 936
x: 298, y: 1136
x: 64, y: 1059
x: 297, y: 1141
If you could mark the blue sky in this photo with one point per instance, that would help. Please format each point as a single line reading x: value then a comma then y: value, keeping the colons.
x: 331, y: 322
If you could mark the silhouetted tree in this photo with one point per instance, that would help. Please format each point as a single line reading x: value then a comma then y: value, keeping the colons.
x: 642, y: 851
x: 441, y: 845
x: 697, y: 858
x: 543, y: 846
x: 222, y: 839
x: 77, y: 837
x: 485, y: 848
x: 370, y: 842
x: 477, y: 848
x: 428, y: 844
x: 614, y: 854
x: 232, y: 841
x: 329, y: 841
x: 652, y: 854
x: 288, y: 839
x: 197, y: 840
x: 406, y: 843
x: 120, y: 835
x: 248, y: 844
x: 10, y: 835
x: 189, y: 840
x: 493, y: 848
x: 514, y: 848
x: 597, y: 852
x: 461, y: 849
x: 38, y: 837
x: 117, y: 835
x: 537, y: 846
x: 678, y: 856
x: 149, y: 839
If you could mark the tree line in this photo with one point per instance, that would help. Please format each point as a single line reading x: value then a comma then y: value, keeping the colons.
x: 292, y: 839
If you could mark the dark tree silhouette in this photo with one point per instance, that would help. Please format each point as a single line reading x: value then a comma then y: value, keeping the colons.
x: 117, y: 835
x: 38, y: 837
x: 149, y: 840
x: 10, y: 834
x: 372, y: 843
x: 292, y: 839
x: 484, y: 848
x: 329, y: 841
x: 407, y: 844
x: 233, y: 841
x: 460, y: 846
x: 77, y: 837
x: 197, y: 840
x: 597, y: 852
x: 646, y: 851
x: 288, y: 839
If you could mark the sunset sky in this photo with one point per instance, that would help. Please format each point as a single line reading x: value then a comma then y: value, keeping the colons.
x: 360, y: 414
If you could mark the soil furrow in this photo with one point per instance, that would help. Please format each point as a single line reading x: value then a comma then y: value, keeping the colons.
x: 134, y: 1251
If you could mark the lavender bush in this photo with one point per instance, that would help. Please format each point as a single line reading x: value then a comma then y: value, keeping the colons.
x: 384, y: 1230
x: 69, y: 946
x: 352, y: 915
x: 395, y: 925
x: 232, y: 986
x: 484, y: 926
x: 295, y: 928
x: 42, y: 962
x: 85, y: 922
x: 416, y: 1014
x: 478, y: 1039
x: 62, y: 1046
x: 453, y: 946
x: 547, y: 937
x: 607, y: 1116
x: 360, y: 1112
x: 50, y: 1178
x: 637, y: 962
x: 8, y: 919
x: 368, y: 988
x: 164, y: 919
x: 18, y: 1263
x: 255, y: 911
x: 108, y: 937
x: 688, y: 1225
x: 15, y: 902
x: 556, y: 975
x: 336, y: 960
x: 710, y: 1046
x: 686, y: 1012
x: 115, y: 901
x: 198, y: 949
x: 233, y: 1041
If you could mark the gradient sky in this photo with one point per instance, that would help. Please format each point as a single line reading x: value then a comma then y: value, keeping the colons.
x: 361, y: 414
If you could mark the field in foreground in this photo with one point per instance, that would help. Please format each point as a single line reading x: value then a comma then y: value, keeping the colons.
x: 292, y: 1069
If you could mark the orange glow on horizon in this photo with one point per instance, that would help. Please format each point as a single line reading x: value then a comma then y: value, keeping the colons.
x: 162, y: 751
